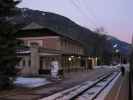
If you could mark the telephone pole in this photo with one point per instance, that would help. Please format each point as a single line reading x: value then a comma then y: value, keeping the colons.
x: 131, y: 73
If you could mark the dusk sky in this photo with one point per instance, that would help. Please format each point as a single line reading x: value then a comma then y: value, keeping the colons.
x: 115, y: 16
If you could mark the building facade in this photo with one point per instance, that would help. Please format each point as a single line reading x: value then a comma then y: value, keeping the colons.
x: 44, y: 45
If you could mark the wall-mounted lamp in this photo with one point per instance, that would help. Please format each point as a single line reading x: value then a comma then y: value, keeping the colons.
x: 70, y: 59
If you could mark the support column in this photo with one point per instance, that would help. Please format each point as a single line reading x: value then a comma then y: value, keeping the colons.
x: 34, y: 59
x: 93, y: 63
x: 86, y: 64
x: 61, y: 67
x: 27, y: 67
x: 44, y: 64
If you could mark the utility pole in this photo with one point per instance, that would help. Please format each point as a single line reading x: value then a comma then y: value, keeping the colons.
x: 131, y: 73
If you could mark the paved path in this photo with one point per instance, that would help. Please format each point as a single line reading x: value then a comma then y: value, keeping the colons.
x: 70, y: 80
x: 120, y: 90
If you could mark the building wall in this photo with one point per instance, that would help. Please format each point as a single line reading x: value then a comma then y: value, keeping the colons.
x: 70, y: 46
x: 55, y: 42
x: 50, y: 42
x: 66, y: 45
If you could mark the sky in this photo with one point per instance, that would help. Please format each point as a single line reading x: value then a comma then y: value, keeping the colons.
x: 115, y: 16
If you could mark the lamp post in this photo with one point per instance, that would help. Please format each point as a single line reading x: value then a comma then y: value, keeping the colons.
x: 117, y: 52
x: 131, y: 73
x: 118, y: 55
x: 114, y: 52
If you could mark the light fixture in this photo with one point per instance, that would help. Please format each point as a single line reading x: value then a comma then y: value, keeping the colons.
x: 72, y: 56
x: 70, y: 59
x: 79, y: 57
x: 116, y: 50
x: 115, y: 45
x: 89, y: 58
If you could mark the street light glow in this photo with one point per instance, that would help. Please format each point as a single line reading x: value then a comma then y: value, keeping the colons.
x: 70, y: 59
x: 79, y: 57
x: 72, y: 56
x: 116, y: 50
x: 114, y: 46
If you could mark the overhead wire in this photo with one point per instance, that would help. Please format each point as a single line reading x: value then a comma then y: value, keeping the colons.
x: 82, y: 12
x: 89, y: 10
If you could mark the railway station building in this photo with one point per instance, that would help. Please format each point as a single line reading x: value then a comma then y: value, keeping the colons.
x: 43, y: 45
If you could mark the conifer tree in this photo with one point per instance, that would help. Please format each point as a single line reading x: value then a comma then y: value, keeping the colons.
x: 8, y: 42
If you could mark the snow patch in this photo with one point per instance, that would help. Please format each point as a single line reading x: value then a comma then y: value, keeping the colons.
x: 30, y: 82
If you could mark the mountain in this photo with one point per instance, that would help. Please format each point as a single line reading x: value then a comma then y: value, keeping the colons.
x: 60, y: 24
x: 123, y: 47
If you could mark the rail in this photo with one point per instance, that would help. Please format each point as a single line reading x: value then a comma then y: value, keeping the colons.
x: 79, y: 91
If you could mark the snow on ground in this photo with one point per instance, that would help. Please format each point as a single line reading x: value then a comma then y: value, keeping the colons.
x: 30, y: 82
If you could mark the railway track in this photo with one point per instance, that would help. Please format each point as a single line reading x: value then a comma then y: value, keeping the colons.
x: 88, y: 90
